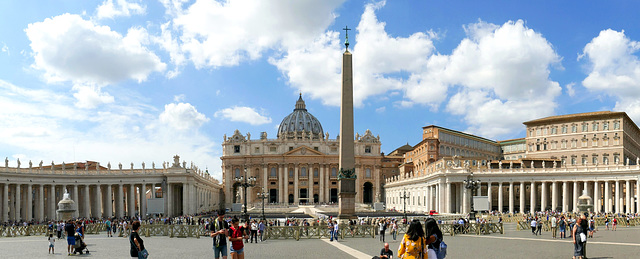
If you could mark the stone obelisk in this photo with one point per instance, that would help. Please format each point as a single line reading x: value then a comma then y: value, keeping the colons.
x: 347, y: 176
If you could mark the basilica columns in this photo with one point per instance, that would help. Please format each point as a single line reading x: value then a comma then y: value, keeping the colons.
x: 322, y: 186
x: 296, y: 187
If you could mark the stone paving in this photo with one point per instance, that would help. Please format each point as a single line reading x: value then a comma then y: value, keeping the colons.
x: 514, y: 244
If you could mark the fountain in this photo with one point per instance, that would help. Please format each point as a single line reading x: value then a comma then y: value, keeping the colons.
x: 585, y: 203
x: 66, y: 207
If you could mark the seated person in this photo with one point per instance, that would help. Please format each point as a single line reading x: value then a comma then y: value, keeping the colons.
x: 386, y: 252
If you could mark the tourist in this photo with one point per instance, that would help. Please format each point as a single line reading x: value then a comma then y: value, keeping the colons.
x: 413, y: 244
x: 577, y: 240
x: 108, y: 223
x: 592, y: 227
x: 606, y: 222
x: 539, y: 231
x: 394, y: 229
x: 137, y: 244
x: 261, y: 229
x: 583, y: 235
x: 382, y: 226
x: 330, y: 226
x: 386, y: 252
x: 52, y: 242
x: 562, y: 224
x: 554, y: 226
x: 254, y: 231
x: 70, y: 231
x: 59, y: 229
x: 236, y: 235
x: 434, y: 239
x: 614, y: 225
x: 533, y: 226
x: 219, y: 232
x: 336, y: 228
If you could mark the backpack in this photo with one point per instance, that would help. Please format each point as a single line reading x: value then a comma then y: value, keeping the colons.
x: 441, y: 251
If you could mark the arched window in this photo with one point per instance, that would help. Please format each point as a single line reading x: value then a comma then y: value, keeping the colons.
x: 273, y: 172
x: 303, y: 172
x: 237, y: 174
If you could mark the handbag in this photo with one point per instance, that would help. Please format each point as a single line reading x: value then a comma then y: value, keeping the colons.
x: 583, y: 237
x: 144, y: 254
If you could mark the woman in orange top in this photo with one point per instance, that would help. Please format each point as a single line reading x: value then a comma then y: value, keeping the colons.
x: 413, y: 244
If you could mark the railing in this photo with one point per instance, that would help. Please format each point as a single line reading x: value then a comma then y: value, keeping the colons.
x: 146, y: 230
x: 599, y: 222
x: 319, y: 231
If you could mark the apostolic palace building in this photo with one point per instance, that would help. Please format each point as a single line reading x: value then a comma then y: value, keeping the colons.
x: 560, y: 158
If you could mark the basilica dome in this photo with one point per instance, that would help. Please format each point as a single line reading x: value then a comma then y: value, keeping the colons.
x: 300, y: 124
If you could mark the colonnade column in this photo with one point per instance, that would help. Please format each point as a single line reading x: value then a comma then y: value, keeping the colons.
x: 5, y: 203
x: 500, y: 198
x: 87, y: 204
x: 511, y: 197
x: 607, y: 197
x: 627, y: 198
x: 596, y: 197
x: 616, y: 202
x: 321, y: 182
x: 17, y: 203
x: 522, y: 196
x: 638, y: 195
x: 143, y: 200
x: 441, y: 196
x: 533, y: 191
x: 75, y: 198
x: 489, y: 196
x: 29, y: 203
x: 543, y: 202
x: 52, y: 202
x: 565, y: 198
x: 108, y: 209
x: 131, y: 201
x: 120, y: 202
x: 296, y: 187
x: 429, y: 202
x: 185, y: 199
x: 449, y: 206
x: 465, y: 200
x: 40, y: 214
x: 575, y: 197
x: 554, y: 196
x: 169, y: 199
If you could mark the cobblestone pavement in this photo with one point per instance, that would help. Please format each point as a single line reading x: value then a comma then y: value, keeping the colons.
x: 514, y: 244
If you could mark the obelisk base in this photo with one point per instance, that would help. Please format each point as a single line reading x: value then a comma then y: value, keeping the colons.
x: 347, y: 199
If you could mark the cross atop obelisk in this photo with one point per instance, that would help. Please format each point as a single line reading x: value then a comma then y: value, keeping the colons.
x: 346, y: 42
x: 347, y: 176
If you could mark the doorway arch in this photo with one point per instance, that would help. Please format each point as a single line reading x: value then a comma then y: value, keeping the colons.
x: 367, y: 194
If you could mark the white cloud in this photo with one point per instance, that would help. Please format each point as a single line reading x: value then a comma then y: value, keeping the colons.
x: 243, y: 114
x: 90, y: 97
x: 224, y: 33
x: 381, y: 109
x: 182, y: 116
x: 5, y: 49
x: 40, y: 124
x: 179, y: 98
x: 69, y: 48
x: 109, y: 9
x: 571, y: 91
x: 614, y: 69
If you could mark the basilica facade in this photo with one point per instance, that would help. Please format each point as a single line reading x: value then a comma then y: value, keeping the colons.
x: 299, y: 166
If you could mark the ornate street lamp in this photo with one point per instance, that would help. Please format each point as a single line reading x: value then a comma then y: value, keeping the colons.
x: 263, y: 195
x: 472, y: 185
x: 244, y: 182
x: 404, y: 198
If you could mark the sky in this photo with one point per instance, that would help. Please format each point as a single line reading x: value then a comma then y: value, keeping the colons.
x: 125, y: 81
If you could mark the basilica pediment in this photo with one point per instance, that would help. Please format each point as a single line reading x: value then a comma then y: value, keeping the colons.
x: 303, y: 151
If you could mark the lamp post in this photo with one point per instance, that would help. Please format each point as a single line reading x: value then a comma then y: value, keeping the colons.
x: 263, y: 195
x: 404, y: 198
x: 472, y: 185
x: 244, y: 182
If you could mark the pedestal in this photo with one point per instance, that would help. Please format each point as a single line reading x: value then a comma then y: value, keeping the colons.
x: 347, y: 199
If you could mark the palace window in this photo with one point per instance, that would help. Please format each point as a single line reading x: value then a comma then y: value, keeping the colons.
x: 564, y: 129
x: 584, y: 161
x: 605, y: 126
x: 594, y: 160
x: 616, y: 159
x: 563, y: 144
x: 605, y: 160
x: 574, y: 128
x: 538, y: 132
x: 554, y: 130
x: 544, y: 131
x: 236, y: 149
x: 616, y: 125
x: 553, y: 145
x: 273, y: 172
x: 595, y: 126
x: 367, y: 149
x: 272, y: 149
x: 573, y: 160
x: 585, y: 127
x: 584, y: 142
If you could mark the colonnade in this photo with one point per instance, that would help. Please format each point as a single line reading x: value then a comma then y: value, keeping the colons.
x: 608, y: 195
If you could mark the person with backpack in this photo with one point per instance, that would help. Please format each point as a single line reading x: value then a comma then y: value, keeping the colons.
x: 236, y: 235
x: 435, y: 240
x: 413, y: 244
x: 218, y: 230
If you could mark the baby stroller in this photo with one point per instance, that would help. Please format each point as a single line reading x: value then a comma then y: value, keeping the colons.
x: 80, y: 245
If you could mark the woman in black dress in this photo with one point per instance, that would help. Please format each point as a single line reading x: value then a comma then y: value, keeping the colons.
x: 137, y: 244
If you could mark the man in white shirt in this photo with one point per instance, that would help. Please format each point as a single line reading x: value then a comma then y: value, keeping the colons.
x: 534, y: 224
x: 554, y: 226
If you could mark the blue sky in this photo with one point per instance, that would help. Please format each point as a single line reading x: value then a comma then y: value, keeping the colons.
x: 132, y: 81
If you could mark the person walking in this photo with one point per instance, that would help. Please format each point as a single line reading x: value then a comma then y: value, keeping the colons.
x: 219, y: 232
x: 254, y: 231
x: 533, y: 226
x: 108, y: 223
x: 413, y: 244
x: 539, y: 231
x: 382, y: 226
x: 562, y: 224
x: 261, y: 228
x: 236, y: 235
x: 52, y: 242
x: 137, y: 244
x: 577, y: 240
x: 394, y: 229
x: 70, y: 230
x: 336, y: 228
x: 554, y: 226
x: 434, y: 239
